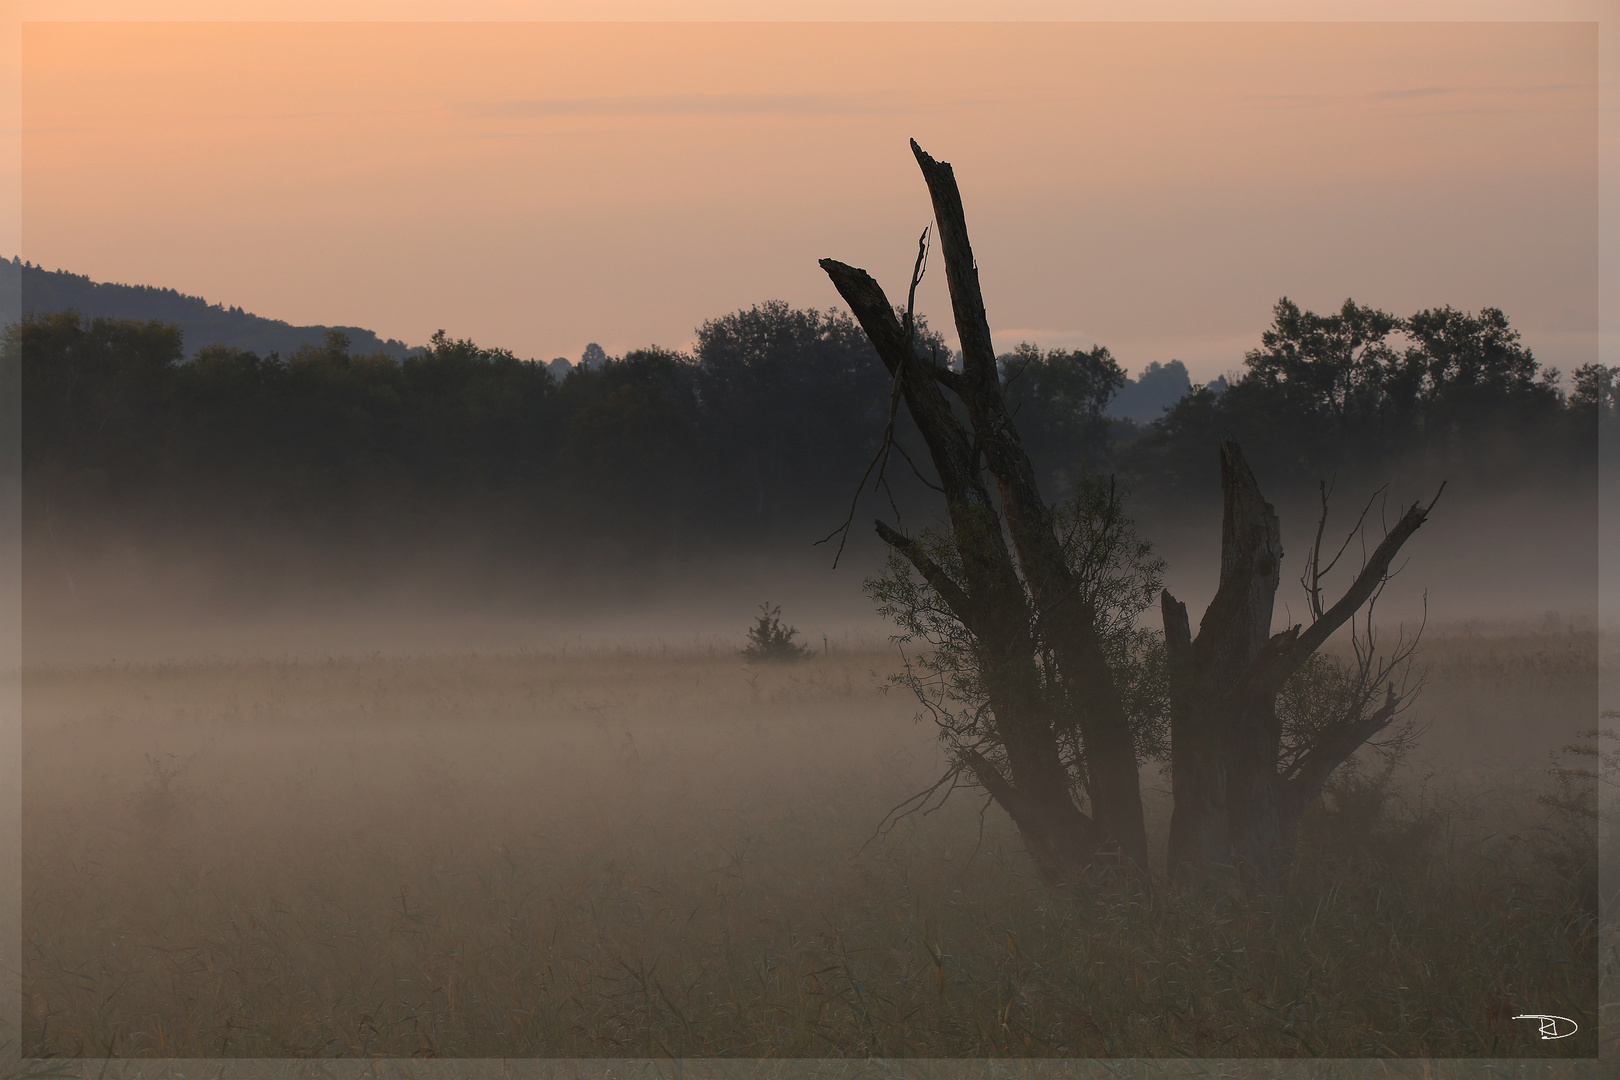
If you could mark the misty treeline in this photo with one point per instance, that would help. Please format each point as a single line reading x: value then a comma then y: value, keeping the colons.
x: 758, y: 436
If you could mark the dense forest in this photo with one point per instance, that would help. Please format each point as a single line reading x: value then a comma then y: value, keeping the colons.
x: 758, y: 437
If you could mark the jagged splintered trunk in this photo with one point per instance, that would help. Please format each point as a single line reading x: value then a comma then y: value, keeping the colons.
x: 1237, y: 803
x: 1008, y: 594
x: 1040, y: 658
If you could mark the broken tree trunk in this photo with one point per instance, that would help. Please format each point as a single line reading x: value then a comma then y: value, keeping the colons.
x: 1237, y: 802
x: 1015, y: 600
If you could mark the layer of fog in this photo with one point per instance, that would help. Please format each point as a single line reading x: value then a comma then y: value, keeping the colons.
x: 1486, y: 557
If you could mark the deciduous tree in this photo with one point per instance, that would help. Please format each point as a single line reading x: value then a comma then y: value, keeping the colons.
x: 1030, y: 622
x: 1043, y: 686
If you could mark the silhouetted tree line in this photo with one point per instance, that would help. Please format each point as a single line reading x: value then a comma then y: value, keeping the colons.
x: 1363, y: 393
x: 760, y: 435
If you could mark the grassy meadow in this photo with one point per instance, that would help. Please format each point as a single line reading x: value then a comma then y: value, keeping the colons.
x: 644, y: 854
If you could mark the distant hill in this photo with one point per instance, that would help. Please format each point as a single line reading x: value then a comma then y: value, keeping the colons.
x: 202, y: 323
x: 1144, y: 399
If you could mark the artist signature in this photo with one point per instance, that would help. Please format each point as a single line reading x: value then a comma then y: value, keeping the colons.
x: 1552, y: 1027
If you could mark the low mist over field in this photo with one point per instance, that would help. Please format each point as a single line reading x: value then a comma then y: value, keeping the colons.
x: 1489, y: 556
x: 656, y: 852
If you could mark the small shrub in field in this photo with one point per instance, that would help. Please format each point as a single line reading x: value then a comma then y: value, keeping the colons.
x: 772, y: 643
x: 164, y: 794
x: 1357, y: 817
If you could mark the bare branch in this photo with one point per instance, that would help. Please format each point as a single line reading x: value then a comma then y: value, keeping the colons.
x: 1314, y: 572
x: 1311, y: 576
x: 916, y: 471
x: 888, y: 493
x: 880, y: 460
x: 978, y: 841
x: 915, y: 804
x: 917, y: 272
x: 1285, y: 652
x: 960, y: 604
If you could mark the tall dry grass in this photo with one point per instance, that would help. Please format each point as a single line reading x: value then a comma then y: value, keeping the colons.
x: 631, y: 855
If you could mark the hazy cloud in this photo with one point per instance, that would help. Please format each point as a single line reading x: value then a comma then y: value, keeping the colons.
x: 1411, y: 92
x: 1417, y: 92
x: 689, y: 105
x: 1433, y: 91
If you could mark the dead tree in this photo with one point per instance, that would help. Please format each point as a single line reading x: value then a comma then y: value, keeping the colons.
x: 1012, y: 589
x: 1240, y: 780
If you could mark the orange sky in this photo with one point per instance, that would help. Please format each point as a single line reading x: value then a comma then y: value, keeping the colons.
x: 1155, y: 187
